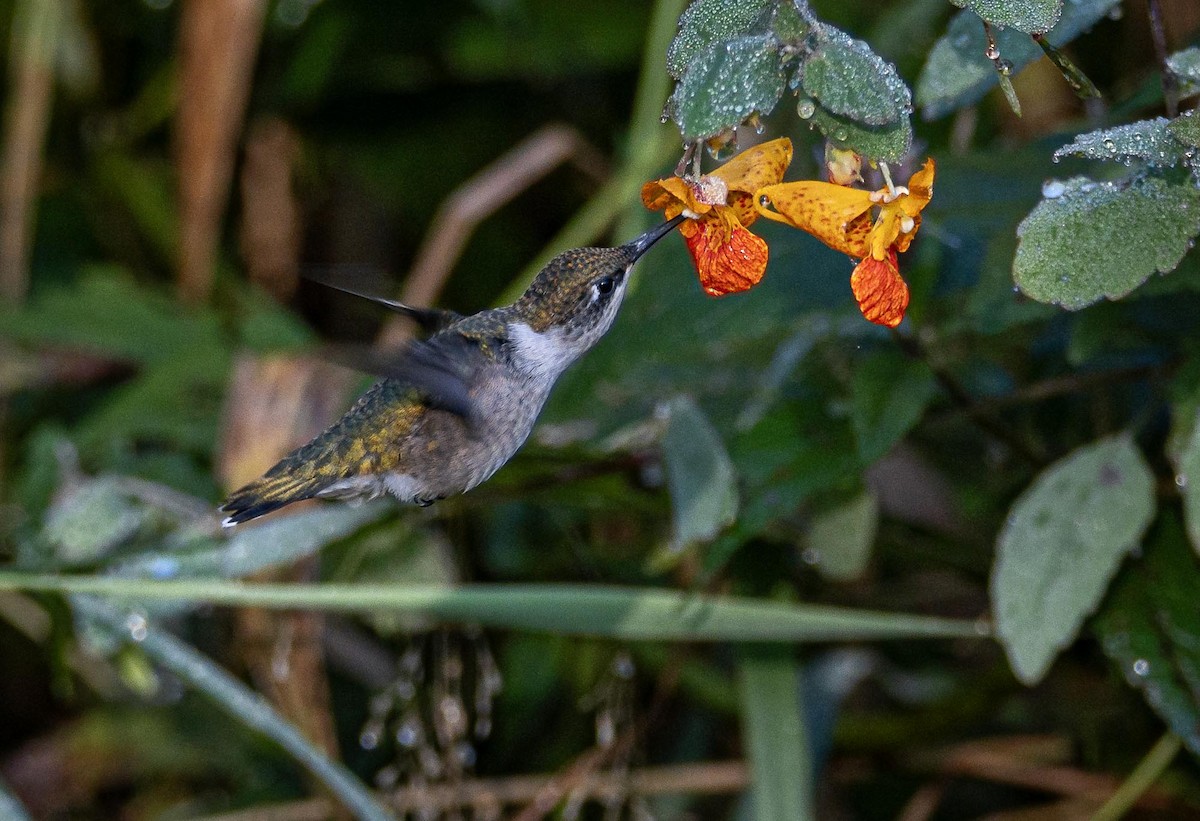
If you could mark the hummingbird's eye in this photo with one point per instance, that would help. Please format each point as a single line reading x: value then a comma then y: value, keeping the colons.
x: 605, y: 285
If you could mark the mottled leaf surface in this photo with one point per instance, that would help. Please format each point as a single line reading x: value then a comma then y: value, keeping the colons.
x: 1032, y: 16
x: 706, y: 23
x: 1185, y: 65
x: 848, y: 79
x: 957, y: 72
x: 1062, y: 543
x: 726, y: 83
x: 1066, y: 254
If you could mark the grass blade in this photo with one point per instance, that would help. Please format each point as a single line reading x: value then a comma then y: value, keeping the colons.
x: 241, y: 702
x: 776, y: 738
x: 617, y: 612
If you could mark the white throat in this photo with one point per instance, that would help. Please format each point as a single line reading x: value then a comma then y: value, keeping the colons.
x: 542, y: 355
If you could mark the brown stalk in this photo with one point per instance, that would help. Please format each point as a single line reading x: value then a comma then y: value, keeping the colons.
x: 27, y: 116
x: 218, y: 42
x: 270, y: 223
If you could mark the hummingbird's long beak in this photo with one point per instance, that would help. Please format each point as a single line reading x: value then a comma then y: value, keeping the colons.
x: 642, y: 244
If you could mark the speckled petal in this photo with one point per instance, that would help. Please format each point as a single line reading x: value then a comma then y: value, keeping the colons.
x: 728, y: 257
x: 881, y: 292
x: 836, y: 215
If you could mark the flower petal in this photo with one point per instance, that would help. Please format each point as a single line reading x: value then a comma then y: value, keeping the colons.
x: 672, y: 195
x: 757, y: 166
x: 836, y: 215
x: 920, y: 190
x: 728, y: 257
x: 881, y: 292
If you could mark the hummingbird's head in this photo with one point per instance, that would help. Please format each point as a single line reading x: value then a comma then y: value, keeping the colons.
x: 573, y: 300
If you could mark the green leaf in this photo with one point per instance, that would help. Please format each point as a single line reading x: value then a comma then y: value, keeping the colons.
x: 92, y: 519
x: 636, y: 614
x: 707, y: 23
x: 1069, y: 253
x: 700, y: 476
x: 249, y: 550
x: 776, y: 736
x: 1150, y: 627
x: 1150, y: 141
x: 1185, y: 65
x: 1186, y: 130
x: 107, y: 312
x: 726, y: 83
x: 841, y: 537
x: 1029, y: 16
x: 850, y: 80
x: 1188, y: 480
x: 1062, y: 543
x: 888, y: 143
x: 957, y: 72
x: 890, y: 392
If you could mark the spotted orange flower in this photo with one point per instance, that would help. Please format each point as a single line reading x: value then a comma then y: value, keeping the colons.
x: 841, y: 217
x: 728, y: 257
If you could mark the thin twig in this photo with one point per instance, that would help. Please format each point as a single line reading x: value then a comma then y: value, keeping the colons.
x: 478, y: 198
x: 1140, y: 780
x: 706, y: 778
x: 1158, y: 34
x: 961, y: 397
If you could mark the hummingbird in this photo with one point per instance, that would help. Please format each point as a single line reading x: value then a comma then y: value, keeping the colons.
x: 454, y: 407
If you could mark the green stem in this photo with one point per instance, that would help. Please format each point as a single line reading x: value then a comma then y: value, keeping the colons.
x: 1143, y: 776
x: 649, y: 145
x: 634, y: 614
x: 241, y: 702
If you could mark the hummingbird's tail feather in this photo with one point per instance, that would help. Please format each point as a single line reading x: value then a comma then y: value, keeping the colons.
x: 271, y: 492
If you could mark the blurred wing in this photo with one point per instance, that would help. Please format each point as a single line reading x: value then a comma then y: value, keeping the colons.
x: 441, y: 369
x: 366, y: 282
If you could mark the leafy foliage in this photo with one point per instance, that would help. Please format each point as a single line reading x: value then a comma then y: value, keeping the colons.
x: 754, y: 528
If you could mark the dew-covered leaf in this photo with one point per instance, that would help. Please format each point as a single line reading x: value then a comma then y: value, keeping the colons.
x: 1150, y: 627
x: 848, y: 79
x: 1150, y: 141
x: 890, y: 392
x: 1186, y: 130
x: 273, y: 543
x: 888, y: 143
x: 700, y: 475
x: 1067, y: 254
x: 841, y: 538
x: 1063, y: 541
x: 91, y: 519
x: 957, y: 72
x: 706, y: 23
x: 1185, y: 65
x: 726, y: 83
x: 1030, y: 16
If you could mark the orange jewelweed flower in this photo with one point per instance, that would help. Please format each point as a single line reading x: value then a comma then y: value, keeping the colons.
x: 728, y: 257
x: 841, y: 218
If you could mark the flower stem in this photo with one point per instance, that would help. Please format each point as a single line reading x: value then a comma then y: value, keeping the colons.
x: 1143, y: 776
